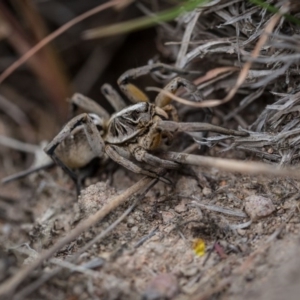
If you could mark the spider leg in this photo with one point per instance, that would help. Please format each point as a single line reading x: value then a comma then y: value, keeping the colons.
x: 142, y: 155
x: 195, y: 127
x: 162, y: 100
x: 121, y: 157
x: 69, y: 172
x: 113, y: 97
x: 144, y: 70
x: 133, y: 93
x: 69, y: 156
x: 89, y: 105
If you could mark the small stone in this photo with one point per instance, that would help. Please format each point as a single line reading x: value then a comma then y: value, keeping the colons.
x: 206, y: 191
x: 187, y: 186
x: 223, y: 183
x: 258, y: 206
x: 94, y: 197
x: 167, y: 216
x: 190, y: 271
x: 158, y: 249
x: 134, y: 230
x: 168, y: 229
x: 180, y: 208
x: 130, y: 220
x: 241, y: 232
x: 163, y: 286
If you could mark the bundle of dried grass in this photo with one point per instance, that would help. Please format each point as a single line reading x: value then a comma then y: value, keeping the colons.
x: 223, y: 38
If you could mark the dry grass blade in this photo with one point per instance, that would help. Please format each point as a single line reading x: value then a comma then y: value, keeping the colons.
x: 142, y: 22
x: 214, y: 73
x: 276, y: 132
x: 226, y: 211
x: 186, y: 39
x: 243, y: 73
x: 25, y: 173
x: 18, y: 145
x: 244, y: 103
x: 7, y: 287
x: 231, y: 165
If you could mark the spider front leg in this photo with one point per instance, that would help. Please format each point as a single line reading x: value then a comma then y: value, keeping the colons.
x: 162, y: 100
x: 133, y: 93
x: 122, y: 157
x: 174, y: 127
x: 142, y: 155
x: 76, y: 145
x: 88, y: 105
x: 113, y: 97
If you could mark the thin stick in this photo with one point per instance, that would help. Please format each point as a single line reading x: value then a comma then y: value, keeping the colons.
x: 25, y: 173
x: 231, y: 165
x: 54, y: 35
x: 172, y: 126
x: 18, y: 145
x: 7, y: 287
x: 100, y: 236
x: 36, y: 284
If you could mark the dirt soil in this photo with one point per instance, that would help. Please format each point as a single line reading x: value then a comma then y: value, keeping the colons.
x: 152, y: 254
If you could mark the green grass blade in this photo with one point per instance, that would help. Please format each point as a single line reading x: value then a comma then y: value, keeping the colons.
x: 143, y: 22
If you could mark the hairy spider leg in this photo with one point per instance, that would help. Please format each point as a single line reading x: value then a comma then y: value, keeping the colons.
x: 95, y: 146
x: 133, y: 93
x: 113, y: 97
x: 174, y: 127
x: 89, y: 106
x: 122, y: 157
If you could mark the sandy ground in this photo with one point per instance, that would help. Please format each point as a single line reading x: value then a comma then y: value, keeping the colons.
x: 153, y: 253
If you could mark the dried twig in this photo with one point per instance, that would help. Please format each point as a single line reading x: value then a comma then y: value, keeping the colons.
x: 7, y: 287
x: 226, y: 211
x: 231, y: 165
x: 27, y: 172
x: 36, y: 284
x: 15, y: 144
x: 47, y: 276
x: 186, y: 39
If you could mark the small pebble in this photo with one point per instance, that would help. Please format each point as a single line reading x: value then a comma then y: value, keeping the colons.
x: 134, y: 230
x: 180, y: 208
x: 206, y: 191
x: 167, y: 216
x: 258, y: 206
x: 190, y: 271
x: 163, y: 286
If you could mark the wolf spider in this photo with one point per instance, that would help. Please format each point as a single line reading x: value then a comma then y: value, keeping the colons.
x: 130, y: 136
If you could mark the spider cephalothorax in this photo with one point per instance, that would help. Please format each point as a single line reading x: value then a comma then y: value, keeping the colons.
x: 132, y: 121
